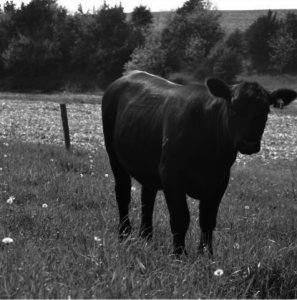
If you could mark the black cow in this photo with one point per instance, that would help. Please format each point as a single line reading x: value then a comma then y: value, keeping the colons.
x: 182, y: 140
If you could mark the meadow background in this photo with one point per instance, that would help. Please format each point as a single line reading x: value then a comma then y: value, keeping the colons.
x: 59, y: 209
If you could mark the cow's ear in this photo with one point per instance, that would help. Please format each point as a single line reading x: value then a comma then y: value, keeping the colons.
x: 286, y: 95
x: 219, y: 88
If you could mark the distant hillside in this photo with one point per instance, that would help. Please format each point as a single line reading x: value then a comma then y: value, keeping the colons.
x: 231, y: 19
x: 242, y: 19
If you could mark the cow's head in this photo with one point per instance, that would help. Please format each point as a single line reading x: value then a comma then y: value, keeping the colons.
x: 248, y: 108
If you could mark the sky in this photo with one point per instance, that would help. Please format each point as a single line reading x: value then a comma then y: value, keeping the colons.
x: 166, y: 5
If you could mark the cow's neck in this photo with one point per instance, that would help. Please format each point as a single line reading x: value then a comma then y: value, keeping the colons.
x: 217, y: 121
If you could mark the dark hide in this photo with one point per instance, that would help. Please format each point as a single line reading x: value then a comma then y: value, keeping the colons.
x: 182, y: 140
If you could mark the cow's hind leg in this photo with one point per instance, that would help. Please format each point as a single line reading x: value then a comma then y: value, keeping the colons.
x: 208, y: 217
x: 123, y: 196
x: 148, y: 198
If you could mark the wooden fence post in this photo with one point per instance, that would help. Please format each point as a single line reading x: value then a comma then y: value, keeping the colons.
x: 65, y: 126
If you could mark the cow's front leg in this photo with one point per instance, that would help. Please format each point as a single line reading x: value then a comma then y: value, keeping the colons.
x: 208, y: 217
x: 178, y: 210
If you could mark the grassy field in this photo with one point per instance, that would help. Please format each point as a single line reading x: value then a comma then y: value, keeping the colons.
x: 59, y: 209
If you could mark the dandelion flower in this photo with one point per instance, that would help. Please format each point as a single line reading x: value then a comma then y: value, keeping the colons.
x: 7, y: 240
x: 10, y: 200
x: 44, y: 205
x: 133, y: 188
x: 106, y: 175
x: 247, y: 207
x: 236, y: 246
x: 218, y: 272
x: 97, y: 239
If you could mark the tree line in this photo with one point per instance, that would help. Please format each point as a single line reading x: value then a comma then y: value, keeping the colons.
x: 42, y: 38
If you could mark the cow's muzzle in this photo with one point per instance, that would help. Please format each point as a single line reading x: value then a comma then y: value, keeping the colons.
x: 249, y: 147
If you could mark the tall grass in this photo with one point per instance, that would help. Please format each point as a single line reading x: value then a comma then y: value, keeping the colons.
x: 68, y: 248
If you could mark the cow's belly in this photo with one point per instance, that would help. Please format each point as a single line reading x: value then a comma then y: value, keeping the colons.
x: 144, y: 173
x: 201, y: 186
x: 141, y: 159
x: 148, y: 180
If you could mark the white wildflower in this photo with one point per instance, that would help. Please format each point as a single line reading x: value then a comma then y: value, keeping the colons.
x: 10, y: 200
x: 236, y: 246
x: 7, y: 240
x: 218, y: 272
x: 44, y: 205
x: 97, y: 239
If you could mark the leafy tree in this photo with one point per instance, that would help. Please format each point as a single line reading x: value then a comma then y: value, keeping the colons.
x: 257, y: 37
x: 6, y: 28
x: 190, y: 6
x: 224, y: 62
x: 31, y: 57
x: 115, y: 41
x: 150, y: 57
x: 141, y: 22
x: 235, y: 41
x: 9, y: 7
x: 194, y: 53
x: 141, y: 17
x: 177, y: 34
x: 83, y: 29
x: 283, y: 48
x: 39, y: 16
x: 35, y: 32
x: 290, y: 23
